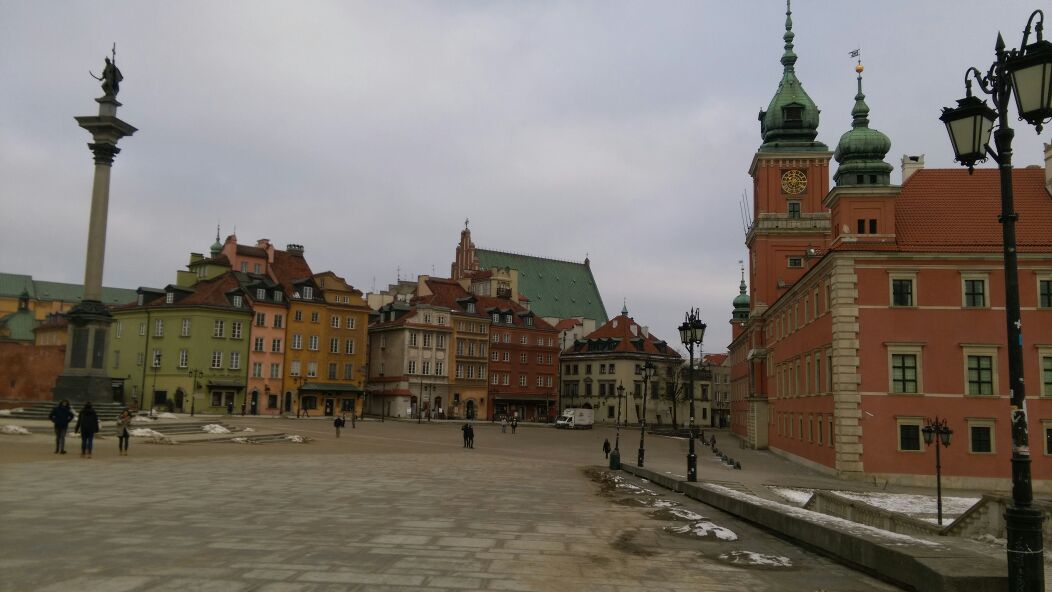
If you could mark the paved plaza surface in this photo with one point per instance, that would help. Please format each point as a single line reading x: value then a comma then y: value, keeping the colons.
x: 388, y: 506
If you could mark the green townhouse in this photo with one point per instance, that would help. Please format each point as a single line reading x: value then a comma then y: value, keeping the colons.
x: 182, y: 348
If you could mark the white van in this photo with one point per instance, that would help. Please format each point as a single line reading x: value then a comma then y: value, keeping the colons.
x: 576, y: 419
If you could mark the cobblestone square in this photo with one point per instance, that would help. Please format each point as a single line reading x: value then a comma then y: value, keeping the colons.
x: 388, y: 506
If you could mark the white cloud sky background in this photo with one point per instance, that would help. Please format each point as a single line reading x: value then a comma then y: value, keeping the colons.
x: 368, y: 131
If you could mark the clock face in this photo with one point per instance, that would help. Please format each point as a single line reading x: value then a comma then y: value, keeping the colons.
x: 794, y: 182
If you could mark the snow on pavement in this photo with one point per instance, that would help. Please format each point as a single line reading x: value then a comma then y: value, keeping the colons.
x: 913, y: 505
x: 14, y: 430
x: 797, y: 496
x: 704, y: 529
x: 756, y: 559
x: 841, y: 524
x: 215, y: 428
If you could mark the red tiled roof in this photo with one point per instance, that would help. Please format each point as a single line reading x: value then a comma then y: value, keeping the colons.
x: 949, y: 210
x: 489, y: 302
x: 716, y: 359
x: 289, y: 268
x: 620, y: 328
x: 566, y: 324
x: 251, y: 251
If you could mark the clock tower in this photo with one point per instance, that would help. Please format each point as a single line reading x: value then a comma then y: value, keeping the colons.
x: 790, y: 175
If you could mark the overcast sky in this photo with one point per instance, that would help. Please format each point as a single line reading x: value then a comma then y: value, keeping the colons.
x: 368, y: 131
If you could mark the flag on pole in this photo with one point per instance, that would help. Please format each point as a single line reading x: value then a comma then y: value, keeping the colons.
x: 855, y: 52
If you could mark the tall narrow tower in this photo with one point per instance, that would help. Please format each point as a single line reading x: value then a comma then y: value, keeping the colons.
x: 84, y: 377
x: 790, y: 174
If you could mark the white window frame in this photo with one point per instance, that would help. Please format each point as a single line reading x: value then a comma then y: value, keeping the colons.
x: 913, y: 421
x: 981, y: 350
x: 982, y: 422
x: 217, y: 360
x: 334, y: 321
x: 235, y: 329
x: 985, y: 277
x: 158, y: 328
x: 235, y: 360
x: 219, y: 328
x: 914, y: 349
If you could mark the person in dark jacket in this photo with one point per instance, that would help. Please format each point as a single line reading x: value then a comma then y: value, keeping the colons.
x: 606, y: 448
x: 87, y: 426
x: 61, y: 415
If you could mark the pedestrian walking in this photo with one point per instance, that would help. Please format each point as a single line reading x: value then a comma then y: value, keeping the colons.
x: 514, y: 424
x: 606, y: 448
x: 503, y: 425
x: 87, y: 426
x: 229, y: 407
x: 123, y: 431
x: 471, y: 436
x: 353, y: 417
x: 465, y: 429
x: 338, y: 423
x: 60, y: 416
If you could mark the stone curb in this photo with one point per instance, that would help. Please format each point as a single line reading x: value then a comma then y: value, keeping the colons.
x: 950, y: 567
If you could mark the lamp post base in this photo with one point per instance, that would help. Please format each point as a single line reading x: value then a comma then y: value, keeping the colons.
x: 692, y: 467
x: 639, y: 459
x: 615, y: 460
x: 1025, y: 553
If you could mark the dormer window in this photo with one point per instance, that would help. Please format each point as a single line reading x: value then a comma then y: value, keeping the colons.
x: 507, y: 318
x: 529, y: 321
x: 261, y: 294
x: 169, y: 297
x: 496, y: 317
x: 277, y: 296
x: 308, y: 293
x: 794, y: 115
x: 237, y: 301
x: 470, y: 307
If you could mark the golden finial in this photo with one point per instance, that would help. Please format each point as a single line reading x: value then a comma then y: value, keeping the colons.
x: 859, y: 68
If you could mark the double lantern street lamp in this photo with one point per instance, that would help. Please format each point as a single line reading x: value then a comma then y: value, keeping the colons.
x: 648, y: 372
x: 615, y: 454
x: 936, y: 430
x: 692, y: 333
x: 1026, y: 73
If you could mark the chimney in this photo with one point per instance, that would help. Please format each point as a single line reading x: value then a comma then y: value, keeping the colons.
x: 912, y: 164
x: 294, y: 249
x: 1048, y: 167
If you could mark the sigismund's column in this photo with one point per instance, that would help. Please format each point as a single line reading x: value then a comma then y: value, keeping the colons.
x: 84, y: 377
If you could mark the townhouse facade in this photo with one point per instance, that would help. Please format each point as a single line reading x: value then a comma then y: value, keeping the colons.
x: 604, y: 371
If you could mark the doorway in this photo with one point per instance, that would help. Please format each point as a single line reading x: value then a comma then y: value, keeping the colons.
x: 329, y: 407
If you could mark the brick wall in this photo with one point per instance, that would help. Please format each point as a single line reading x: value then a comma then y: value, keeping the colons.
x: 28, y: 372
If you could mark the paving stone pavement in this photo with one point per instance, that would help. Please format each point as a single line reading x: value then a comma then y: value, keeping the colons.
x: 452, y: 519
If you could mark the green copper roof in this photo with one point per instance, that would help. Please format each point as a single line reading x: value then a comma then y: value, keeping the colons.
x: 17, y: 326
x: 741, y: 301
x: 559, y: 289
x: 861, y: 150
x: 791, y: 119
x: 13, y: 284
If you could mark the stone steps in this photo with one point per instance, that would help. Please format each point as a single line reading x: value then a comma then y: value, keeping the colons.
x: 106, y: 411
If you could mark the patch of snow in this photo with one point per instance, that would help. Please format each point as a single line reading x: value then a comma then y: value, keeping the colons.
x: 636, y: 489
x: 239, y: 440
x: 248, y: 430
x: 704, y: 529
x: 167, y: 415
x: 142, y: 419
x: 758, y: 559
x: 10, y: 411
x: 145, y: 433
x: 686, y: 514
x: 14, y: 430
x: 664, y: 504
x: 919, y: 506
x: 818, y: 518
x: 215, y: 428
x: 797, y: 496
x: 294, y: 438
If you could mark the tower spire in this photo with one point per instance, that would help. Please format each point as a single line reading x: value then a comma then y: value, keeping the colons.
x: 789, y: 57
x: 861, y: 149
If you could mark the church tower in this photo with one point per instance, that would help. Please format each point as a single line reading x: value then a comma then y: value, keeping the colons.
x: 790, y: 174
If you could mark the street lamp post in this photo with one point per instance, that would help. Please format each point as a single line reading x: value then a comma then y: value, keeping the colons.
x: 156, y: 369
x: 692, y: 333
x: 1027, y: 73
x: 936, y: 430
x: 648, y: 372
